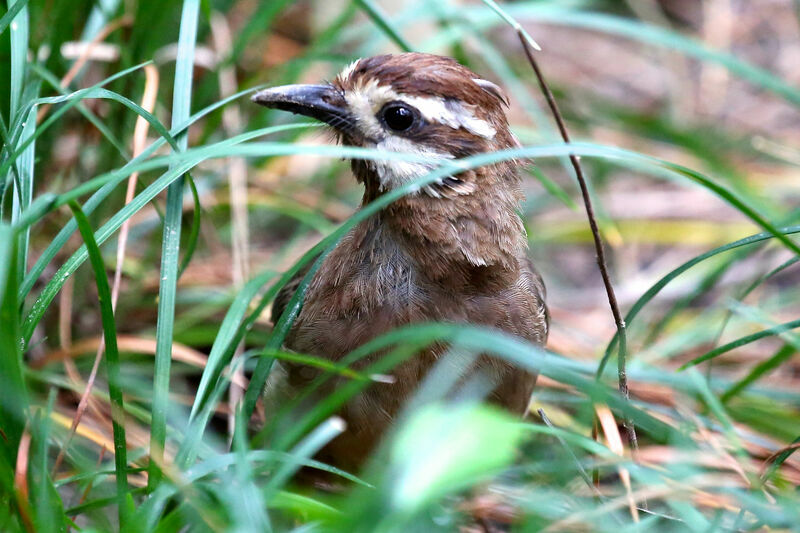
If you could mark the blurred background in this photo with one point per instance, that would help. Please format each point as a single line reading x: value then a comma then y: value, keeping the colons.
x: 710, y: 85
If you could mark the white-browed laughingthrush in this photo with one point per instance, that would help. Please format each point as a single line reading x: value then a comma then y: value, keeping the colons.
x: 454, y: 251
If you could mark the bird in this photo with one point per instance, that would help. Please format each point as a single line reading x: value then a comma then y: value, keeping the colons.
x: 454, y: 251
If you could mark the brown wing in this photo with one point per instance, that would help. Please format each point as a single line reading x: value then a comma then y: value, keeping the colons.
x: 537, y: 284
x: 285, y: 294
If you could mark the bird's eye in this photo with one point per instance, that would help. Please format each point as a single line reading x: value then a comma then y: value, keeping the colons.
x: 398, y: 117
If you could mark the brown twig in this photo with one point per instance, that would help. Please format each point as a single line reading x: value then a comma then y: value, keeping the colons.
x: 21, y: 480
x: 598, y: 241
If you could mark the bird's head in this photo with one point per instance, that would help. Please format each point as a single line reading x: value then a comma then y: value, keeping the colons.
x: 420, y: 104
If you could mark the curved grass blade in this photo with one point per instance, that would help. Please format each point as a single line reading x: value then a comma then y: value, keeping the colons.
x: 51, y: 80
x: 664, y: 281
x: 72, y: 100
x: 112, y: 360
x: 96, y: 199
x: 778, y: 358
x: 230, y: 148
x: 404, y: 342
x: 226, y: 337
x: 747, y: 339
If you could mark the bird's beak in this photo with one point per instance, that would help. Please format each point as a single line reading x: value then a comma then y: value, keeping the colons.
x: 322, y: 102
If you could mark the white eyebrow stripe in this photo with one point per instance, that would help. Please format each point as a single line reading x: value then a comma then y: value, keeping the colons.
x: 368, y: 96
x: 450, y: 113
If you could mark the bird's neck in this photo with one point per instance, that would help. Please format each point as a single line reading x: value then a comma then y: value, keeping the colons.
x: 460, y: 236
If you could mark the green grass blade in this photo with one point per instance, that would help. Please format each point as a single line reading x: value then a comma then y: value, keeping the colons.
x: 19, y: 59
x: 279, y: 332
x: 194, y: 230
x: 170, y: 250
x: 653, y: 291
x: 404, y: 342
x: 226, y: 337
x: 74, y: 99
x: 71, y: 100
x: 381, y: 21
x: 747, y: 339
x: 54, y: 83
x: 112, y: 359
x: 762, y: 368
x: 13, y: 391
x: 23, y: 192
x: 14, y: 8
x: 61, y: 238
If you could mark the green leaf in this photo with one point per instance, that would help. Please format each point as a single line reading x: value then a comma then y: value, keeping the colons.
x: 445, y: 448
x: 13, y: 391
x: 380, y: 19
x: 181, y: 105
x: 112, y: 359
x: 118, y: 177
x: 46, y: 505
x: 653, y: 291
x: 14, y: 9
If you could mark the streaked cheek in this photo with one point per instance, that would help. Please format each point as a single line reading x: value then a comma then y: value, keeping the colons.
x: 393, y: 173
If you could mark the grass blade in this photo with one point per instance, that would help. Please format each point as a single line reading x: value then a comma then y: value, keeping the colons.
x: 19, y: 58
x: 381, y: 21
x: 58, y: 242
x: 653, y: 291
x: 13, y: 391
x: 747, y: 339
x: 112, y: 359
x: 181, y: 105
x: 778, y: 358
x: 13, y: 10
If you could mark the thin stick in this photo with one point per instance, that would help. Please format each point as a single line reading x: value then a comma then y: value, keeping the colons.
x: 598, y: 241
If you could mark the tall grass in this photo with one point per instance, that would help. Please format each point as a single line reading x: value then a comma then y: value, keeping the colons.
x: 711, y: 315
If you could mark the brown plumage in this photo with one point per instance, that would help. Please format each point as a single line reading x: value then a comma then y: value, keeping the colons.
x: 453, y: 252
